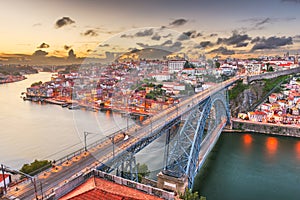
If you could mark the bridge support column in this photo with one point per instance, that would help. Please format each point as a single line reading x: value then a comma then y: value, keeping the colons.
x: 245, y: 80
x: 170, y: 183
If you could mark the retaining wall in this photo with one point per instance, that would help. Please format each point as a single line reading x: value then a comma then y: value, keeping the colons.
x: 267, y: 128
x: 270, y: 75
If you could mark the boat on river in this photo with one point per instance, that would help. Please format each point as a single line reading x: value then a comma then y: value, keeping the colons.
x: 74, y: 106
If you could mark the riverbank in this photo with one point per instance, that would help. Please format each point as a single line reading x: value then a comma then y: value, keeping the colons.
x: 11, y: 79
x: 239, y: 125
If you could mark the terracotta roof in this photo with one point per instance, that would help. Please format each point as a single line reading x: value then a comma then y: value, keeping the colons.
x: 257, y: 113
x: 5, y: 176
x: 100, y: 189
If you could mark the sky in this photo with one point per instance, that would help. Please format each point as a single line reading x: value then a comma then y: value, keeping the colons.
x: 62, y: 31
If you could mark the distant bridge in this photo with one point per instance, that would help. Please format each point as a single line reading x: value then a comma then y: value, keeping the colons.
x: 270, y: 75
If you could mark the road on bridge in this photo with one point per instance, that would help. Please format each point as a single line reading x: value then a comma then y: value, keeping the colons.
x: 48, y: 181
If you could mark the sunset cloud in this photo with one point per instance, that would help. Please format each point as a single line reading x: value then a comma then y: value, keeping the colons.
x: 39, y: 53
x: 64, y: 22
x: 236, y: 39
x: 66, y: 47
x: 156, y: 37
x: 223, y: 51
x: 204, y: 44
x: 167, y: 45
x: 147, y: 32
x: 271, y: 42
x: 90, y: 32
x: 178, y: 22
x: 43, y: 45
x: 189, y: 34
x: 104, y: 45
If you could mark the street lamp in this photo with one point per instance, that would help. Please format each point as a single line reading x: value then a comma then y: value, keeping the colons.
x: 126, y: 108
x: 85, y: 135
x: 112, y: 139
x: 13, y: 171
x: 151, y: 124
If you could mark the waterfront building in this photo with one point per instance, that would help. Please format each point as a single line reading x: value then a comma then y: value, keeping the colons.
x: 257, y: 116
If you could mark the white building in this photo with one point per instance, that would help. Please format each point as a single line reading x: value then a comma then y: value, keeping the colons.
x: 190, y: 71
x: 227, y: 69
x: 161, y: 76
x: 253, y: 68
x: 174, y: 86
x: 175, y: 65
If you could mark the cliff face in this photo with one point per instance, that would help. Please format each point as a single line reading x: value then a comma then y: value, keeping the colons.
x: 247, y: 98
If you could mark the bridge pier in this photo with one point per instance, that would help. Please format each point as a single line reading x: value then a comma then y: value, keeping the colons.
x: 171, y: 183
x: 245, y: 80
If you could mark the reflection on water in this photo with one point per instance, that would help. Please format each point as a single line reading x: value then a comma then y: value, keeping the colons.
x: 271, y: 146
x: 239, y: 167
x: 247, y: 139
x: 297, y: 150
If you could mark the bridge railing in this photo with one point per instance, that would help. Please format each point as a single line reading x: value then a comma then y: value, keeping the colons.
x: 104, y: 139
x: 89, y: 146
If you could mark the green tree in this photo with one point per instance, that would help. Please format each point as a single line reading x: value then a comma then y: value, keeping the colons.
x: 186, y: 65
x: 190, y: 195
x: 268, y: 65
x: 16, y: 73
x: 270, y: 69
x: 36, y: 83
x: 217, y: 64
x: 35, y: 167
x: 143, y: 171
x: 150, y: 96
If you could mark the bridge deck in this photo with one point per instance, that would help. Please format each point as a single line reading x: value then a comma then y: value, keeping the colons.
x: 103, y: 152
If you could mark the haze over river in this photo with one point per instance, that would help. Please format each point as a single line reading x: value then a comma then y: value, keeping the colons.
x: 31, y: 130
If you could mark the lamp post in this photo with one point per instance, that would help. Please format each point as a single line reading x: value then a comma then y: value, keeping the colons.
x: 13, y: 171
x: 85, y: 135
x: 112, y: 139
x: 3, y: 177
x: 151, y: 124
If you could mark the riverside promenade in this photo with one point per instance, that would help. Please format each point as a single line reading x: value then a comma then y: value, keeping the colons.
x: 239, y: 125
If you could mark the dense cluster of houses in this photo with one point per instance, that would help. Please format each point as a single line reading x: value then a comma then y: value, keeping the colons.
x: 125, y: 85
x: 60, y: 86
x: 10, y: 78
x: 138, y: 86
x: 283, y: 107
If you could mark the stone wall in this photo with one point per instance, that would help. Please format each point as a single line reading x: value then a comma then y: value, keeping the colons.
x: 271, y: 75
x: 267, y: 128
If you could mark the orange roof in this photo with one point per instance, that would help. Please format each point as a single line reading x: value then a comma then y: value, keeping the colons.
x: 257, y: 113
x: 99, y: 189
x: 5, y: 176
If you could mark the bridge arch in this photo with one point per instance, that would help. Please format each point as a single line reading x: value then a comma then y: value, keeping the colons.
x: 201, y: 126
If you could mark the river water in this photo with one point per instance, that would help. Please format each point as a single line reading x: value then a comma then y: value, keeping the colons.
x: 32, y: 130
x: 251, y: 166
x: 241, y: 166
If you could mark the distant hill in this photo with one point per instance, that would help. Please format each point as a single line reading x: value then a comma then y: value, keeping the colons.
x: 148, y: 53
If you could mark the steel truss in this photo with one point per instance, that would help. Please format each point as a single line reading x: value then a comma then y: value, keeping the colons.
x: 124, y: 163
x: 182, y: 152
